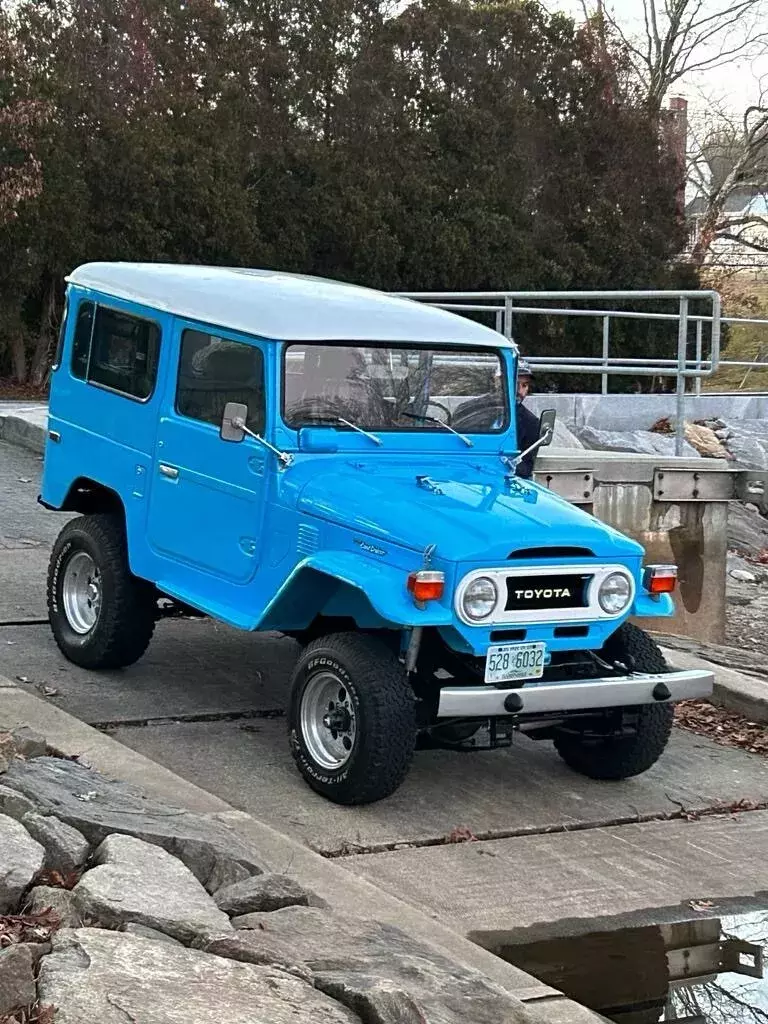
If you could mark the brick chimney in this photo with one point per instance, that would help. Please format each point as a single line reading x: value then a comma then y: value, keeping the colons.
x: 677, y: 140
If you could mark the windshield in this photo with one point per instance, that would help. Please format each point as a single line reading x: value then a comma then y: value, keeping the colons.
x: 387, y: 387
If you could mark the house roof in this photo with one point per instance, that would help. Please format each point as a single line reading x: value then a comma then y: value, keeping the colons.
x: 280, y: 306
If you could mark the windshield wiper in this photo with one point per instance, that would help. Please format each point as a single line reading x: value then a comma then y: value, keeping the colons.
x: 445, y: 426
x: 365, y: 433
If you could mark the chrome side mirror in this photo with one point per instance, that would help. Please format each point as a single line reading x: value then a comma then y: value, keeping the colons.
x: 547, y: 427
x: 233, y: 421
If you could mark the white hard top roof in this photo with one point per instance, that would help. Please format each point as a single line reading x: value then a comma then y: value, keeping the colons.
x: 284, y: 307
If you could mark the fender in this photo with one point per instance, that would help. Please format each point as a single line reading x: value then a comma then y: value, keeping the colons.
x: 340, y: 579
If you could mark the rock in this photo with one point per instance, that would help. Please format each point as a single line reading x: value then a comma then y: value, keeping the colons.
x: 227, y: 872
x: 60, y: 901
x: 747, y: 529
x: 705, y: 441
x: 135, y: 881
x: 66, y: 849
x: 748, y: 443
x: 14, y: 804
x: 640, y: 442
x: 563, y: 437
x: 20, y: 860
x: 114, y: 978
x: 205, y: 845
x: 3, y: 764
x: 149, y: 933
x: 28, y: 743
x: 372, y: 999
x: 17, y: 978
x: 743, y: 576
x: 355, y: 954
x: 262, y: 893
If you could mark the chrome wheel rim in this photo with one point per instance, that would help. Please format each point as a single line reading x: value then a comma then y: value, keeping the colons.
x: 328, y: 721
x: 81, y: 592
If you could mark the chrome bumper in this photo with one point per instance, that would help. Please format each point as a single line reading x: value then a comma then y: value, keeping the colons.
x: 608, y: 692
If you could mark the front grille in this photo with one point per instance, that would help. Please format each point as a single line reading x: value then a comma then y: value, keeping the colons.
x: 535, y: 593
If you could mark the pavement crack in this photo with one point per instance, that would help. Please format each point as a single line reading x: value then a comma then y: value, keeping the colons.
x: 348, y: 849
x: 203, y: 716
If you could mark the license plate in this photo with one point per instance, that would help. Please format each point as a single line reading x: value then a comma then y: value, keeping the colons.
x: 514, y: 661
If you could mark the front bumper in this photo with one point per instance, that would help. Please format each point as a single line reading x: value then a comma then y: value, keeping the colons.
x: 585, y: 695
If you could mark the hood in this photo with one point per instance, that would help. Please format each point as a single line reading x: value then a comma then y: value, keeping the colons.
x: 470, y: 512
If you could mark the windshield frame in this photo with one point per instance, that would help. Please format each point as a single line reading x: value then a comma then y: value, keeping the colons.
x: 408, y: 346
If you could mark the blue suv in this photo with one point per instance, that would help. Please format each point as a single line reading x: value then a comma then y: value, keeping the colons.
x: 286, y: 453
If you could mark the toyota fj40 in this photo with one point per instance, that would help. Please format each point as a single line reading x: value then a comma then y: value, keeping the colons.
x: 292, y: 454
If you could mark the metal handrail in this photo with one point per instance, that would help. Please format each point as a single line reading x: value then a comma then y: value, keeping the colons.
x: 679, y: 369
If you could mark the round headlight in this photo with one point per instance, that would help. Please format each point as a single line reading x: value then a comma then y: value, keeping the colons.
x: 615, y: 593
x: 480, y: 598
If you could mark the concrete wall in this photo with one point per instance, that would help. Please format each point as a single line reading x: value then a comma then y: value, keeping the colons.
x: 639, y: 412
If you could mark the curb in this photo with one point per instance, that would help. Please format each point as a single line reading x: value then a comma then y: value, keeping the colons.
x: 23, y: 433
x: 329, y: 879
x: 734, y: 690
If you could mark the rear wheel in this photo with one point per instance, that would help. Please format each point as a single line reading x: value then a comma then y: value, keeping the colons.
x: 351, y: 718
x: 102, y: 616
x: 638, y: 735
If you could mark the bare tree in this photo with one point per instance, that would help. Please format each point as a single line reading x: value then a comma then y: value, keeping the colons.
x: 728, y: 169
x: 681, y: 37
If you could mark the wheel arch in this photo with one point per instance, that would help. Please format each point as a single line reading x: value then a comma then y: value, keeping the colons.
x: 89, y: 497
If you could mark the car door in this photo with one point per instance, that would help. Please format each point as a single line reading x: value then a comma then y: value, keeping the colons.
x: 207, y: 496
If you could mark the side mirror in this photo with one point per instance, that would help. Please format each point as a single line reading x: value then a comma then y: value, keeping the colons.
x: 547, y: 426
x: 233, y: 421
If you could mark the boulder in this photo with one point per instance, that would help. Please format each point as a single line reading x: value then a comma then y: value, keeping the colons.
x: 28, y: 743
x: 262, y: 893
x: 20, y: 860
x: 135, y: 881
x: 353, y: 956
x: 639, y: 442
x: 66, y: 849
x: 113, y: 978
x: 149, y: 933
x: 747, y: 529
x: 748, y: 443
x: 14, y: 804
x: 98, y: 806
x: 17, y: 978
x: 705, y: 441
x: 564, y: 437
x: 60, y: 901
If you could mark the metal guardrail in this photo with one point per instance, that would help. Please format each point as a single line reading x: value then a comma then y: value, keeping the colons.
x: 503, y: 306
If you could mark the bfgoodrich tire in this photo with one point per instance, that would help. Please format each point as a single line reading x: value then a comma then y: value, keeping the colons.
x: 622, y: 756
x: 101, y: 615
x: 351, y: 718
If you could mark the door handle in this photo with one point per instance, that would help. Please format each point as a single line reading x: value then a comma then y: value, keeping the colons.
x: 169, y: 471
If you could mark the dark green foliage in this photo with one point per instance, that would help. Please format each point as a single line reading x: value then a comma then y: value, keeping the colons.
x: 446, y: 145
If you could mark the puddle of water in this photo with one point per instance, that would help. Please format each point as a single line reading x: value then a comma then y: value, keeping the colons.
x: 708, y: 970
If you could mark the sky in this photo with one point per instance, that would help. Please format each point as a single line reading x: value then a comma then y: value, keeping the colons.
x: 735, y: 85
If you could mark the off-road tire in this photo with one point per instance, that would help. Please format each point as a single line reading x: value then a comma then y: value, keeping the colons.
x: 621, y: 757
x: 127, y: 615
x: 385, y: 710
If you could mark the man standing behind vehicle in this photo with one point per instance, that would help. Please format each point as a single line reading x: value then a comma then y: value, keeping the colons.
x: 527, y: 423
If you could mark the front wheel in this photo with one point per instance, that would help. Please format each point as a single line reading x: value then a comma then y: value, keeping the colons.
x: 102, y: 616
x: 643, y: 731
x: 351, y: 718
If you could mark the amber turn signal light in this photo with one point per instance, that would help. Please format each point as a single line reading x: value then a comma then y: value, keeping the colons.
x: 660, y: 579
x: 426, y: 585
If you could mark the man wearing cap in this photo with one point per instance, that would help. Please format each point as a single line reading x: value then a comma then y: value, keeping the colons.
x: 527, y: 423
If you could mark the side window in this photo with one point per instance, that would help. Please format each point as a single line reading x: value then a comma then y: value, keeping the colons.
x: 116, y: 350
x: 81, y: 344
x: 62, y: 332
x: 124, y: 353
x: 214, y: 371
